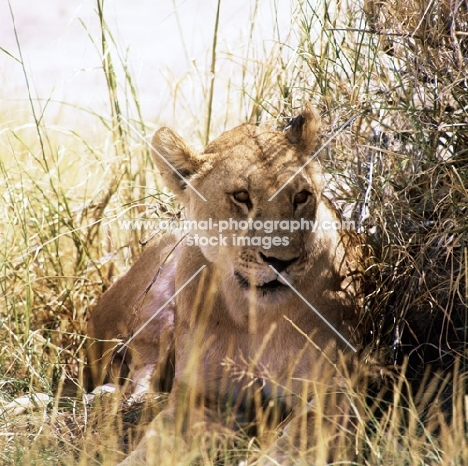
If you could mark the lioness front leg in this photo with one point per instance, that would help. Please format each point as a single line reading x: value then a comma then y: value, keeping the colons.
x: 177, y: 433
x: 314, y: 433
x: 160, y: 444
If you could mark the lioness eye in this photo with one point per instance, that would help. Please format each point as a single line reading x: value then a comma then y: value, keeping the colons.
x: 301, y: 198
x: 242, y: 196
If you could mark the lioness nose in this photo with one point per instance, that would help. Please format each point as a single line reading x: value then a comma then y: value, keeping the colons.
x: 278, y: 264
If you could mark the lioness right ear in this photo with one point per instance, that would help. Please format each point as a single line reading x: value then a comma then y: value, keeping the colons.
x: 176, y: 161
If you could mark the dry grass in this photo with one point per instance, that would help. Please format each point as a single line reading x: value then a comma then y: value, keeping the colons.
x: 400, y: 170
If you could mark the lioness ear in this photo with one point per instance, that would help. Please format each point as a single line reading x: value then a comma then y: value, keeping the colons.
x: 176, y: 161
x: 303, y: 129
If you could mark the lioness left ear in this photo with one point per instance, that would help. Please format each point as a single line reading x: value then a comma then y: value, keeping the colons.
x: 176, y: 160
x: 303, y: 129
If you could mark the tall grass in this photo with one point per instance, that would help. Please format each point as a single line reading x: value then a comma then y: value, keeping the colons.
x: 399, y: 170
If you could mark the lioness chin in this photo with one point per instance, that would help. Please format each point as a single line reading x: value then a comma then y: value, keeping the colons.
x: 261, y: 314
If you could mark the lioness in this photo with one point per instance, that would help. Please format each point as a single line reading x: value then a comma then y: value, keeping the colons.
x: 264, y: 307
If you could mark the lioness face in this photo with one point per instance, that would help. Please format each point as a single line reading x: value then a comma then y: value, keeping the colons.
x: 261, y: 203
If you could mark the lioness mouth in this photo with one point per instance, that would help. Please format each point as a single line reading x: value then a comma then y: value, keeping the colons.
x: 267, y: 287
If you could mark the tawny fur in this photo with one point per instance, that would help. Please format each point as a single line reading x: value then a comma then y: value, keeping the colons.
x: 237, y: 341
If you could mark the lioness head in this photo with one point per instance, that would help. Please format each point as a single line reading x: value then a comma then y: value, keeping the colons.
x: 256, y: 197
